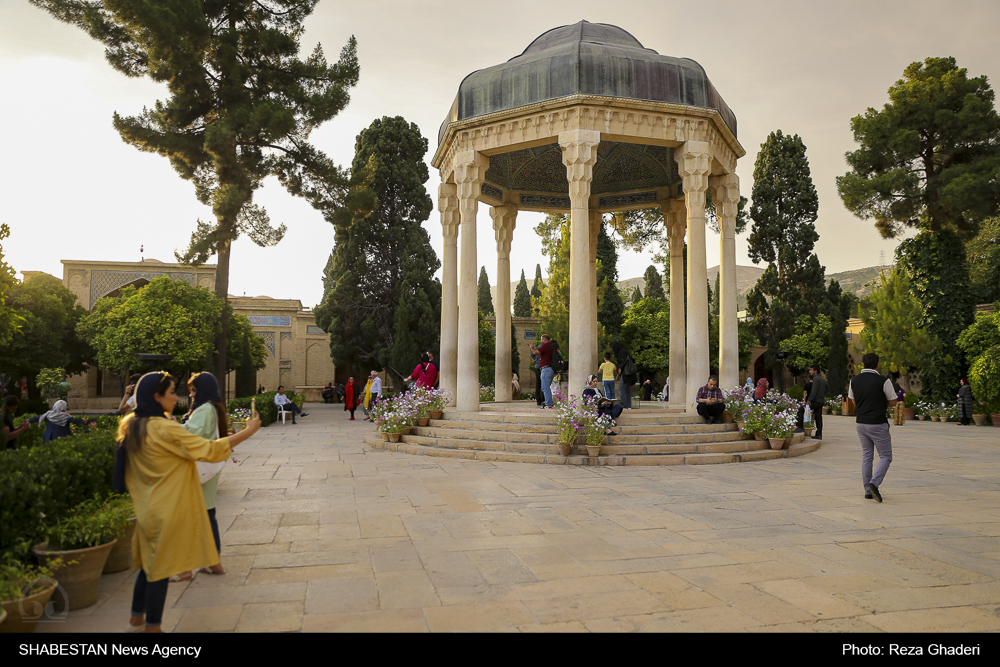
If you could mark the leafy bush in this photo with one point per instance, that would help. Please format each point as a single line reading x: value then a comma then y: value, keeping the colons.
x: 984, y: 376
x: 90, y: 524
x: 19, y: 579
x: 39, y: 486
x: 797, y: 391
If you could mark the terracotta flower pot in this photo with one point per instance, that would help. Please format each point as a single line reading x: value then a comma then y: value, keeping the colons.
x: 727, y: 418
x: 759, y: 435
x: 24, y: 613
x: 826, y: 410
x: 436, y: 414
x: 79, y: 581
x: 423, y: 421
x: 120, y: 558
x: 979, y: 419
x: 921, y: 417
x: 787, y: 443
x: 809, y: 431
x: 594, y: 450
x: 406, y: 430
x: 394, y: 437
x: 385, y: 437
x: 565, y: 448
x: 776, y: 443
x: 995, y: 418
x: 910, y: 413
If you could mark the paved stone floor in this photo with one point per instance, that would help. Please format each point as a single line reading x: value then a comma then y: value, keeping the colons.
x: 322, y: 534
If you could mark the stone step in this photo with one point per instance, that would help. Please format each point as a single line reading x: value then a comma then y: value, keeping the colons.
x: 629, y: 417
x: 447, y: 436
x: 446, y: 427
x: 752, y: 452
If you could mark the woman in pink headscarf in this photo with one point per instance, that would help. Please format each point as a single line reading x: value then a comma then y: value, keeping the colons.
x: 761, y: 390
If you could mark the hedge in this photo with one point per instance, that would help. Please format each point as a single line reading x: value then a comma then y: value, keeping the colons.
x: 40, y: 485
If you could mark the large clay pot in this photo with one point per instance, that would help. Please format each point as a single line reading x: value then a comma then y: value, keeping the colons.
x: 910, y: 413
x: 394, y: 437
x: 776, y: 443
x: 436, y: 414
x: 565, y: 448
x: 423, y: 421
x: 979, y: 419
x: 24, y: 613
x: 120, y: 558
x: 78, y: 581
x: 995, y: 418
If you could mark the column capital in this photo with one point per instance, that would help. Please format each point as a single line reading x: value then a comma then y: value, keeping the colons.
x: 727, y: 201
x: 470, y: 172
x: 674, y: 219
x: 448, y: 206
x: 504, y: 221
x: 694, y: 164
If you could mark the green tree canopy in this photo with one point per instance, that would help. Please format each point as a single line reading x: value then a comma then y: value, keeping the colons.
x: 892, y: 326
x: 10, y: 322
x: 49, y: 315
x: 522, y: 298
x: 483, y: 290
x: 553, y: 304
x: 636, y: 296
x: 241, y: 106
x: 384, y: 259
x: 610, y: 305
x: 654, y: 284
x: 929, y: 159
x: 165, y: 317
x: 646, y: 335
x: 808, y: 345
x: 981, y: 335
x: 536, y: 289
x: 983, y: 255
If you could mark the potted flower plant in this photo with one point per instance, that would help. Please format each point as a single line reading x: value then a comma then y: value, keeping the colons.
x: 568, y: 422
x: 83, y: 541
x: 25, y: 591
x: 238, y: 418
x: 756, y: 420
x: 780, y: 427
x: 737, y: 402
x: 595, y: 427
x: 439, y: 401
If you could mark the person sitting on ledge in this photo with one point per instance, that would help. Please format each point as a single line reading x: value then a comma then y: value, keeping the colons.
x: 711, y: 404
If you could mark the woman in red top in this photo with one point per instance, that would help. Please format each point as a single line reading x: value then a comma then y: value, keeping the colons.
x: 351, y: 398
x: 425, y: 374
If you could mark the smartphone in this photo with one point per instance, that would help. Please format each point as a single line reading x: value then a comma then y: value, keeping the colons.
x: 253, y: 407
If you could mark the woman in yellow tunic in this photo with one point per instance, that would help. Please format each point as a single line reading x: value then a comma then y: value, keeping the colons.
x: 172, y: 533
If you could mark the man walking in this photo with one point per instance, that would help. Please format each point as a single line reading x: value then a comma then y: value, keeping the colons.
x: 544, y: 352
x: 872, y: 395
x: 816, y: 398
x: 710, y: 401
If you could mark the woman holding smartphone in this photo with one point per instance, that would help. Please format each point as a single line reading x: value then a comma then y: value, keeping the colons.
x: 156, y: 460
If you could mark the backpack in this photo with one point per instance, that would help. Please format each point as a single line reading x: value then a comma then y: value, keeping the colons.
x: 557, y: 362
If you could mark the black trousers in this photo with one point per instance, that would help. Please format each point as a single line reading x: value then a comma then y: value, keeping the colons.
x: 715, y: 410
x: 817, y: 408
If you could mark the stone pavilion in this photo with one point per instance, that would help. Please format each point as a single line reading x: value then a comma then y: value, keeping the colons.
x: 587, y: 121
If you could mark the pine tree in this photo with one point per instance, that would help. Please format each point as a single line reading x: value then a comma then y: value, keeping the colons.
x: 610, y: 306
x: 241, y: 106
x: 654, y: 284
x: 536, y: 289
x: 522, y: 298
x: 636, y: 296
x: 384, y: 259
x: 485, y: 298
x: 891, y: 326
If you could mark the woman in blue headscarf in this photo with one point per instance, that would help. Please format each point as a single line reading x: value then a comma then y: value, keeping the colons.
x: 156, y: 460
x: 208, y: 419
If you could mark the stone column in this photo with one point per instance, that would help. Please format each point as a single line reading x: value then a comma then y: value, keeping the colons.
x: 694, y: 164
x: 675, y: 219
x: 448, y: 205
x: 579, y: 155
x: 727, y: 199
x: 470, y: 167
x: 595, y: 231
x: 504, y: 220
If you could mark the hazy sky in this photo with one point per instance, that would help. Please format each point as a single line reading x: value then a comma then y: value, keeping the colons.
x: 71, y: 189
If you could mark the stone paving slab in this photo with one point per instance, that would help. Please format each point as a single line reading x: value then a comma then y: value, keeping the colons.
x: 322, y: 533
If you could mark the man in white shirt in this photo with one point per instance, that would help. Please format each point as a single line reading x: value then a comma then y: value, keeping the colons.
x: 285, y: 403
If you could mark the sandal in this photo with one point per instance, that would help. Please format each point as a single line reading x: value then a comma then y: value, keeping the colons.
x: 215, y: 569
x: 184, y: 576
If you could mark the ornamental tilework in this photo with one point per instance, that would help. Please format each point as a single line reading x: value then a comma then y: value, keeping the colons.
x: 492, y: 192
x: 544, y: 201
x: 313, y: 330
x: 103, y: 283
x: 268, y: 337
x: 270, y: 320
x: 286, y: 334
x: 626, y: 201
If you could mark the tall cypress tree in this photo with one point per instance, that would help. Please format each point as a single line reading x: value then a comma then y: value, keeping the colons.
x: 241, y: 105
x: 485, y: 298
x: 536, y: 289
x: 522, y: 298
x: 654, y: 284
x: 610, y: 307
x: 636, y: 296
x: 384, y: 259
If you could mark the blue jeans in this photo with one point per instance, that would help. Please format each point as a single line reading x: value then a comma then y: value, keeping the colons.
x: 609, y: 390
x: 547, y: 385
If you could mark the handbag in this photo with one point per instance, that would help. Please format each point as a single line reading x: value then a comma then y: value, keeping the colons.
x: 206, y: 470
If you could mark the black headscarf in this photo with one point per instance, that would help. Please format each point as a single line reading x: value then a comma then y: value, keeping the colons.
x: 207, y: 390
x: 146, y: 404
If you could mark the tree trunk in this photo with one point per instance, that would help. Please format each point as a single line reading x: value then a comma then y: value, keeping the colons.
x: 222, y: 291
